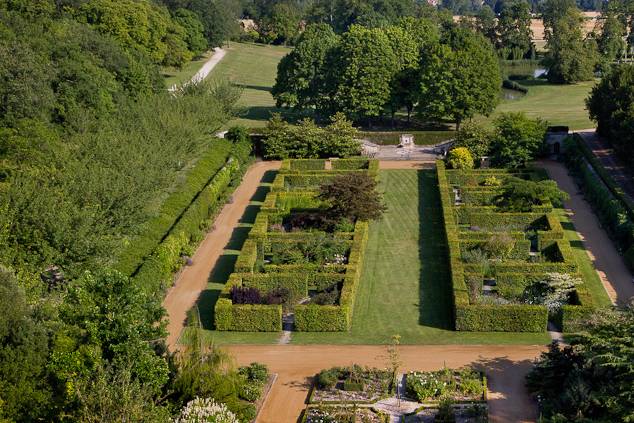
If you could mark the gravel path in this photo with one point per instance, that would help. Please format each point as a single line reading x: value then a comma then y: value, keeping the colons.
x: 193, y: 279
x: 613, y: 272
x: 209, y: 65
x: 505, y: 366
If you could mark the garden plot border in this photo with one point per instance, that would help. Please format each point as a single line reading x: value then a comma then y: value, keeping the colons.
x: 296, y: 186
x: 511, y: 317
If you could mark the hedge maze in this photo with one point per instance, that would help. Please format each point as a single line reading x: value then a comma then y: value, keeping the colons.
x: 497, y: 257
x: 290, y: 267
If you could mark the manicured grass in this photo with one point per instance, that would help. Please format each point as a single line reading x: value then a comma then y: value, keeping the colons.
x: 558, y: 104
x: 252, y: 67
x: 175, y: 76
x: 590, y: 276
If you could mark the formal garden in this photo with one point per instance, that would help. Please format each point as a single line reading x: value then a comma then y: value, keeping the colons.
x: 355, y: 393
x: 302, y: 260
x: 512, y: 269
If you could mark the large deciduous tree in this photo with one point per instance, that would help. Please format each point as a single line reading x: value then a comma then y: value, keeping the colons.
x: 459, y: 78
x: 360, y: 74
x: 300, y: 74
x: 570, y: 58
x: 514, y: 28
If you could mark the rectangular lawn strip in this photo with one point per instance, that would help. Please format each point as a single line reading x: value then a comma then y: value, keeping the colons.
x: 405, y: 287
x: 590, y: 276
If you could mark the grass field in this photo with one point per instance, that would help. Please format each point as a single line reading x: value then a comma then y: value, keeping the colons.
x: 178, y: 76
x: 558, y: 104
x: 252, y: 67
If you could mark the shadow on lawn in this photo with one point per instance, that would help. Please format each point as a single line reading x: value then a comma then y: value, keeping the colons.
x: 435, y: 297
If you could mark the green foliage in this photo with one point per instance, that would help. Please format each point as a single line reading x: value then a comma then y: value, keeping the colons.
x: 307, y: 140
x: 24, y: 352
x: 517, y: 139
x: 460, y: 158
x: 467, y: 63
x: 474, y: 137
x: 352, y: 197
x: 514, y: 28
x: 520, y: 195
x: 610, y: 105
x: 300, y: 74
x: 569, y: 57
x: 446, y: 383
x: 570, y: 380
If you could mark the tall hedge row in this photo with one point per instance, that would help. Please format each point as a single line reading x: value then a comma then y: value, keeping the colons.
x: 613, y: 208
x: 154, y: 272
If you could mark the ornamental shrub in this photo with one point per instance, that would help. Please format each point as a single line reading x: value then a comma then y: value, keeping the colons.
x: 327, y: 379
x: 499, y: 245
x: 460, y: 158
x: 352, y: 197
x: 245, y: 295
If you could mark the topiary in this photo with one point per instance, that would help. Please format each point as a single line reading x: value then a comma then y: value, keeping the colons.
x: 460, y: 158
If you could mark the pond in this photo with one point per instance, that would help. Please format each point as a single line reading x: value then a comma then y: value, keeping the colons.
x: 511, y: 95
x: 528, y: 68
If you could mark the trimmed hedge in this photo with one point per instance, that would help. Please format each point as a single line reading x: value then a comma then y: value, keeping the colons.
x: 203, y: 172
x: 613, y: 208
x: 298, y: 278
x: 155, y: 273
x: 512, y: 275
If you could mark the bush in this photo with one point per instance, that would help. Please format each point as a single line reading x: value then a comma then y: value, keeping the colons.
x: 351, y: 386
x: 475, y: 138
x: 460, y: 158
x: 238, y: 134
x: 492, y: 181
x: 499, y: 245
x: 327, y: 379
x: 352, y: 197
x: 245, y: 295
x: 518, y: 139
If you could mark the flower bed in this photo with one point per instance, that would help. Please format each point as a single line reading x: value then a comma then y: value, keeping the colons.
x: 351, y: 384
x: 343, y: 414
x: 462, y: 385
x: 492, y: 252
x: 292, y: 262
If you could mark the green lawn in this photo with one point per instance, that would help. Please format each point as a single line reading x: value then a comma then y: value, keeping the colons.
x: 178, y: 76
x: 253, y: 67
x: 405, y: 287
x: 558, y: 104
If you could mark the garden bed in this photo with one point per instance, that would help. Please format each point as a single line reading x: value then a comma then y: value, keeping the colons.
x: 460, y: 385
x: 511, y: 270
x: 353, y: 384
x: 343, y: 414
x: 294, y: 261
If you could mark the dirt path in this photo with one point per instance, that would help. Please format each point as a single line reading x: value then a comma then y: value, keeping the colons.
x: 504, y: 365
x: 613, y: 272
x: 193, y: 279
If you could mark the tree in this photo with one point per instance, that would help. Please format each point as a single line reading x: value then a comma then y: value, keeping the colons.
x: 281, y: 25
x: 460, y: 158
x: 194, y: 30
x: 363, y: 66
x: 459, y: 78
x: 352, y: 197
x: 402, y: 88
x: 474, y: 137
x: 517, y: 139
x: 611, y: 105
x: 570, y: 381
x: 25, y: 390
x: 514, y: 28
x: 569, y: 57
x: 610, y: 43
x: 485, y: 23
x: 300, y: 74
